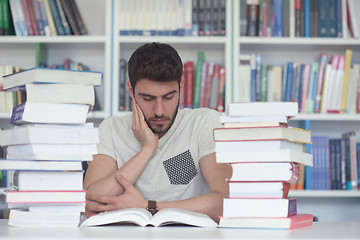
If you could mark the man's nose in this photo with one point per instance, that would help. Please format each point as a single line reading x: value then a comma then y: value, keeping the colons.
x: 159, y: 108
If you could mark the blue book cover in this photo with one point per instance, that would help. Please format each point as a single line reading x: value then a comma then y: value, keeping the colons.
x: 323, y: 18
x: 283, y: 85
x: 332, y: 19
x: 326, y: 147
x: 339, y: 28
x: 312, y: 87
x: 258, y: 77
x: 306, y: 18
x: 289, y: 81
x: 301, y: 86
x: 56, y: 16
x: 358, y: 162
x: 307, y: 150
x: 278, y: 18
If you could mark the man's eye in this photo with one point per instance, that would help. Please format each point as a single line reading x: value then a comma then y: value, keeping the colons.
x: 168, y: 97
x: 147, y: 99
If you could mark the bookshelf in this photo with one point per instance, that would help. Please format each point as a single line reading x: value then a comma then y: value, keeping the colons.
x: 93, y: 50
x: 102, y: 48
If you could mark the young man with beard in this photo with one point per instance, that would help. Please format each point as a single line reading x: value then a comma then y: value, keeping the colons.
x: 158, y: 152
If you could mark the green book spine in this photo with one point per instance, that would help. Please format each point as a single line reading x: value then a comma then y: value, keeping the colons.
x: 263, y: 83
x: 198, y: 77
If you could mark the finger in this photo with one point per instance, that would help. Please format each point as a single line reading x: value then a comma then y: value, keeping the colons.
x: 99, y: 208
x: 100, y: 199
x: 124, y: 182
x: 135, y: 111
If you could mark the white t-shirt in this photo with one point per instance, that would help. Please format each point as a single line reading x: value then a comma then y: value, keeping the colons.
x: 174, y: 171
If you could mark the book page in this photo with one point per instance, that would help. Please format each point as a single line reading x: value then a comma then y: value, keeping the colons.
x: 136, y: 216
x: 179, y: 216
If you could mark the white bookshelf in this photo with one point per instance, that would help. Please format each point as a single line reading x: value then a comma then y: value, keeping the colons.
x: 324, y: 194
x: 92, y: 50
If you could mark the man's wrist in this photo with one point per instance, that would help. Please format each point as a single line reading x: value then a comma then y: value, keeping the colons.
x: 152, y: 207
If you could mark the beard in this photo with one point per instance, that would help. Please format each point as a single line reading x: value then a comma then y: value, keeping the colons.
x: 162, y: 128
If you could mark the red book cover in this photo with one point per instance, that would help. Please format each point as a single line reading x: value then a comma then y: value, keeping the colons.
x: 221, y: 92
x: 189, y: 83
x: 26, y: 11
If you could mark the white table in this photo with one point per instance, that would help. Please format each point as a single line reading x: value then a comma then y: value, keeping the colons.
x: 322, y: 230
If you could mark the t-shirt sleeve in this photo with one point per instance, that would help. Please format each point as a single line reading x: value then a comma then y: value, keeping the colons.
x: 106, y: 143
x: 208, y: 122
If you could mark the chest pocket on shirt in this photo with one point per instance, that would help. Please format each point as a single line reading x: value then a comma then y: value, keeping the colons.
x: 181, y: 168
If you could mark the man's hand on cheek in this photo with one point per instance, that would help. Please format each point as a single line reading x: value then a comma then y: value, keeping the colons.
x: 141, y: 130
x: 131, y: 198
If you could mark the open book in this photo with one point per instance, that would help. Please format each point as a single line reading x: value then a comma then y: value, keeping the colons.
x: 142, y: 217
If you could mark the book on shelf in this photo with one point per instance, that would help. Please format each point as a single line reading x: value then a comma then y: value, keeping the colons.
x: 248, y: 156
x: 275, y: 171
x: 56, y: 149
x: 242, y: 207
x: 50, y: 134
x: 262, y: 133
x: 142, y: 217
x: 256, y: 190
x: 11, y: 164
x: 23, y: 218
x: 51, y: 75
x: 262, y: 108
x: 20, y: 197
x: 53, y: 113
x: 48, y: 180
x: 287, y: 223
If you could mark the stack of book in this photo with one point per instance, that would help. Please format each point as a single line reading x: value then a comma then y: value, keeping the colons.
x: 48, y: 145
x: 264, y: 154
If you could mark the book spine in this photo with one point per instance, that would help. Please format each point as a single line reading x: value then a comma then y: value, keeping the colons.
x: 292, y: 210
x: 278, y: 18
x: 323, y: 12
x: 195, y: 18
x: 197, y: 80
x: 79, y: 20
x: 306, y: 18
x: 57, y: 20
x: 26, y: 11
x: 189, y: 84
x: 38, y: 18
x: 17, y: 113
x: 64, y: 21
x: 70, y: 17
x: 321, y: 76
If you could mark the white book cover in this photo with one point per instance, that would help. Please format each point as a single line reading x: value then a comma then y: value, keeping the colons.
x: 352, y: 90
x: 243, y: 83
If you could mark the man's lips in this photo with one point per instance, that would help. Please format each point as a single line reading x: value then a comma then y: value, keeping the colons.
x: 159, y: 121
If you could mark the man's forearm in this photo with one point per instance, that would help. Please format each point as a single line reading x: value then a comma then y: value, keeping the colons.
x: 131, y: 170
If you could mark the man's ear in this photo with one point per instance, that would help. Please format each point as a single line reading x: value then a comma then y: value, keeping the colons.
x: 182, y: 83
x: 130, y: 89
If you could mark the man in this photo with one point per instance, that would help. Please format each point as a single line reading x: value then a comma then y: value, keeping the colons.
x: 158, y: 152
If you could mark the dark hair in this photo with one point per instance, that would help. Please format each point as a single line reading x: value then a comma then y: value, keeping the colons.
x: 155, y: 61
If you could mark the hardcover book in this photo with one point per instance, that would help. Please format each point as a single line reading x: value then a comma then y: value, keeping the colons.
x: 241, y: 207
x: 142, y: 217
x: 287, y: 223
x: 51, y: 75
x: 262, y: 108
x: 275, y: 171
x: 55, y: 113
x: 262, y: 133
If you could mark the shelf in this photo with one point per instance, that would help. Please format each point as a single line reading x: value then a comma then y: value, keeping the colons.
x: 173, y: 39
x: 53, y: 39
x: 298, y: 41
x: 5, y: 115
x: 327, y: 117
x: 324, y: 193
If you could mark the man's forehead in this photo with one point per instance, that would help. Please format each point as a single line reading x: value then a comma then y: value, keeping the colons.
x: 155, y: 88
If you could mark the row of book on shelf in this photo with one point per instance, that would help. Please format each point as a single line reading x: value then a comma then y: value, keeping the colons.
x: 9, y: 99
x: 204, y: 85
x: 172, y: 18
x: 327, y: 85
x: 259, y: 185
x: 300, y: 18
x: 48, y: 145
x: 336, y: 163
x: 41, y: 18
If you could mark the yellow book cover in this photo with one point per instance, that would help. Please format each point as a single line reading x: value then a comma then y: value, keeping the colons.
x: 348, y: 57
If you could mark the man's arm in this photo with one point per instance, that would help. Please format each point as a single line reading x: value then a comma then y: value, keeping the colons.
x: 215, y: 174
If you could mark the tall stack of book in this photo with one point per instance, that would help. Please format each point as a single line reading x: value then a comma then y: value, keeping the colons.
x: 264, y: 154
x: 48, y: 145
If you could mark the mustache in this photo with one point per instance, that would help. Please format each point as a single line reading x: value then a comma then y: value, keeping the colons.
x: 159, y: 118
